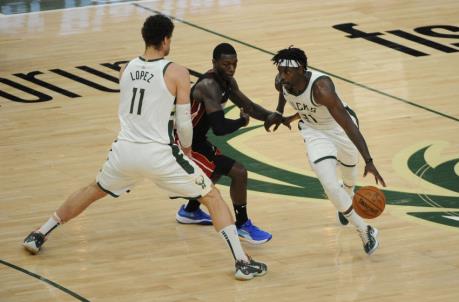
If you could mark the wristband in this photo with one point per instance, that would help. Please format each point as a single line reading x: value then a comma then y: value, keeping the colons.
x: 277, y: 112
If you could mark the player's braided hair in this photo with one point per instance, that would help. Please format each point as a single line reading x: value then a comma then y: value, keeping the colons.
x: 291, y: 54
x: 155, y: 29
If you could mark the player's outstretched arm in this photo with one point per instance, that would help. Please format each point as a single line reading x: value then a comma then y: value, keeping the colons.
x: 287, y: 120
x: 209, y: 93
x: 276, y: 117
x: 324, y: 94
x: 242, y: 101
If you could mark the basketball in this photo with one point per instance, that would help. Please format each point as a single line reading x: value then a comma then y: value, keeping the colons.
x: 369, y: 202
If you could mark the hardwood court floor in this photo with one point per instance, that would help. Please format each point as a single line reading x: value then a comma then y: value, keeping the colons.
x: 131, y: 248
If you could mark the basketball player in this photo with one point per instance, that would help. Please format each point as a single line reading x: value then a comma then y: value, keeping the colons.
x: 209, y: 95
x: 330, y: 131
x: 153, y: 91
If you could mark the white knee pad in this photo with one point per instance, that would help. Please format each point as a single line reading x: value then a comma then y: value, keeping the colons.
x: 326, y: 172
x: 337, y: 195
x: 349, y: 178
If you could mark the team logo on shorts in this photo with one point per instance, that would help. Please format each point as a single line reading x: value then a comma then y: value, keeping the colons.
x: 200, y: 182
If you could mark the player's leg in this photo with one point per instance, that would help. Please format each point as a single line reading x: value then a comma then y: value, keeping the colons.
x: 246, y: 268
x: 238, y: 187
x: 109, y: 181
x: 72, y: 207
x: 326, y: 172
x: 322, y: 153
x: 238, y: 191
x: 349, y: 174
x: 348, y: 156
x: 183, y: 178
x: 349, y: 178
x: 190, y: 213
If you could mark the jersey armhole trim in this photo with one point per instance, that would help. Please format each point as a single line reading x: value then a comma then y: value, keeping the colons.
x: 164, y: 82
x: 165, y: 67
x: 352, y: 114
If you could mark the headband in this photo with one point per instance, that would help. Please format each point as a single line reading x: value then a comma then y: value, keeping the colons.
x: 288, y: 63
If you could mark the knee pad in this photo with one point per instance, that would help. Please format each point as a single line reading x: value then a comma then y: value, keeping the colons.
x: 349, y: 175
x: 337, y: 195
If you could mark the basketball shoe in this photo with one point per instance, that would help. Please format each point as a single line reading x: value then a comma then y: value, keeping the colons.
x: 249, y: 270
x: 33, y: 242
x: 195, y: 217
x: 251, y: 233
x: 368, y: 236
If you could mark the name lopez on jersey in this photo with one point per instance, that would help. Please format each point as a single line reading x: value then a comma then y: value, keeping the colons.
x: 141, y: 75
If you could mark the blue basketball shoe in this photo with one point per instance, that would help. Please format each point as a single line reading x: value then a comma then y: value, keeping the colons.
x: 195, y: 217
x: 253, y: 234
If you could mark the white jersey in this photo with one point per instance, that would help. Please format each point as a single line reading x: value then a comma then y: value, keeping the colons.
x: 313, y: 115
x: 146, y: 106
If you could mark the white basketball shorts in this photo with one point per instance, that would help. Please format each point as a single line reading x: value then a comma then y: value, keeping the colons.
x: 166, y: 165
x: 329, y: 143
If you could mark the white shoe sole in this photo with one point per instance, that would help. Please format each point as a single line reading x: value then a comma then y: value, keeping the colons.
x: 32, y: 248
x: 185, y: 220
x: 240, y: 276
x: 254, y: 242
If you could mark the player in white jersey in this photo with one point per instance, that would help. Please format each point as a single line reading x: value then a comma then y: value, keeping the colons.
x: 331, y: 134
x: 153, y: 94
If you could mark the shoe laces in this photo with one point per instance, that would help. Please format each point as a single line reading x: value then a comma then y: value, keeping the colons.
x: 248, y: 224
x: 364, y: 235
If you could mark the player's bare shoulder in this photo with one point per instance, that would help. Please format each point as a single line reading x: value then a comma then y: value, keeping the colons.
x: 207, y: 89
x: 323, y: 85
x: 176, y: 78
x: 175, y: 71
x: 322, y: 89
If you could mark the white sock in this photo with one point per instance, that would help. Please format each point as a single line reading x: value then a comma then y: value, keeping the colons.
x: 229, y: 234
x: 53, y: 222
x: 356, y: 220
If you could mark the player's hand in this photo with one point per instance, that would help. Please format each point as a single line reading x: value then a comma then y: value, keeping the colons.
x: 245, y: 116
x: 194, y: 114
x: 187, y: 151
x: 286, y: 121
x: 273, y: 119
x: 370, y: 168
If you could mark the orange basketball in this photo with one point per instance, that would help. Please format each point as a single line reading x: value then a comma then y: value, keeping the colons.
x: 369, y: 202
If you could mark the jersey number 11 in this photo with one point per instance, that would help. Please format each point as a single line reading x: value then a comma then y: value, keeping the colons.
x: 139, y: 105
